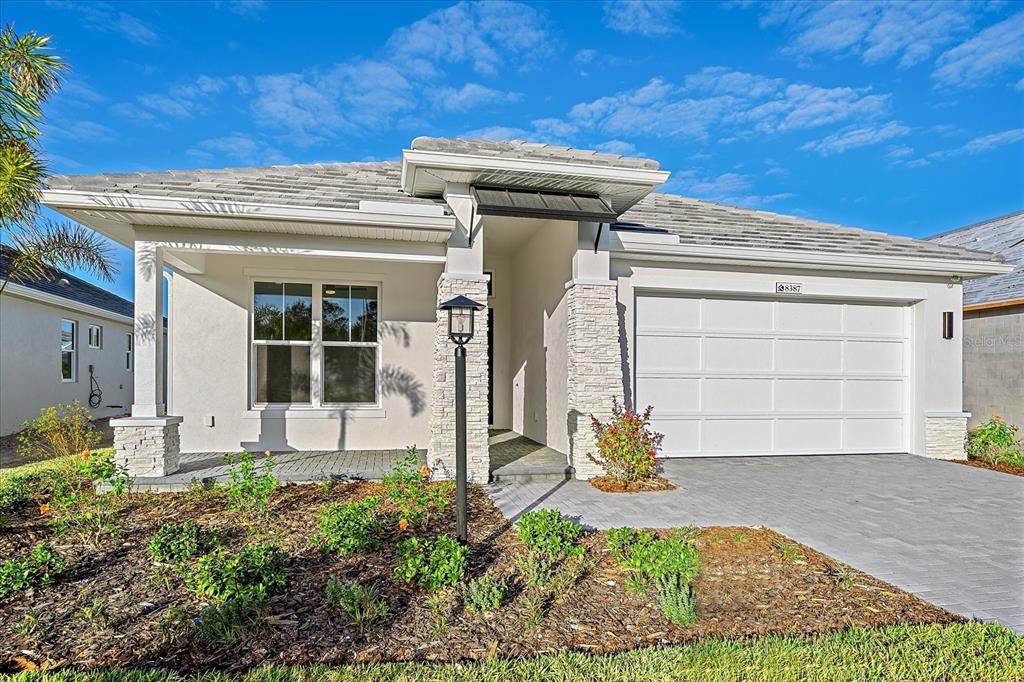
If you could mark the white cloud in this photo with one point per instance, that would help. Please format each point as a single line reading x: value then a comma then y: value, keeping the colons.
x: 250, y: 9
x: 618, y: 147
x: 105, y: 18
x: 83, y: 131
x: 239, y: 148
x: 897, y: 153
x: 585, y: 56
x: 853, y: 137
x: 997, y: 49
x: 470, y: 96
x: 644, y: 17
x: 984, y: 143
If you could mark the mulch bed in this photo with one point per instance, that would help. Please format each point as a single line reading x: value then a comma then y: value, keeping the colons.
x: 746, y: 588
x: 992, y: 466
x: 608, y: 484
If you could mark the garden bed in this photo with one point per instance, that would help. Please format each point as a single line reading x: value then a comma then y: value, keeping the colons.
x: 1001, y: 467
x: 114, y: 608
x: 608, y: 484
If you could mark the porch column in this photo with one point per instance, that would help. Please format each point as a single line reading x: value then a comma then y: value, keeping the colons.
x: 593, y: 351
x: 463, y: 275
x: 146, y: 443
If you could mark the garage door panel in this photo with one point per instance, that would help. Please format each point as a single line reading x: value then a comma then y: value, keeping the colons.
x: 737, y: 354
x: 875, y: 319
x: 670, y: 394
x: 667, y: 313
x: 752, y: 436
x: 737, y: 314
x: 682, y: 436
x: 737, y: 395
x: 809, y: 435
x: 809, y: 395
x: 863, y: 395
x: 808, y: 317
x: 881, y: 434
x: 809, y: 355
x: 661, y: 353
x: 874, y: 357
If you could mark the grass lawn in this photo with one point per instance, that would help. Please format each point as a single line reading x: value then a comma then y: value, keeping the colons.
x: 968, y: 651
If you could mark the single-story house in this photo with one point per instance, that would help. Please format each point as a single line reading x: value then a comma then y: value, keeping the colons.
x: 303, y: 310
x: 62, y: 339
x: 994, y: 321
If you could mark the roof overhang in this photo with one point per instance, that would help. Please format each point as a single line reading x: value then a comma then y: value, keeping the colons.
x: 992, y: 305
x: 22, y: 291
x: 117, y: 215
x: 527, y: 203
x: 426, y: 173
x: 656, y: 246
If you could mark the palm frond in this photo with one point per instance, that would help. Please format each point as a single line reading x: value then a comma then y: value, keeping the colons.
x: 21, y: 177
x: 41, y: 248
x: 29, y: 74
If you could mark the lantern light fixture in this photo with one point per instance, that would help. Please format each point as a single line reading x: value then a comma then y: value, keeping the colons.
x: 461, y: 311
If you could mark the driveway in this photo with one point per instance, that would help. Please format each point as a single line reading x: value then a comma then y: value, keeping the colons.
x: 951, y: 534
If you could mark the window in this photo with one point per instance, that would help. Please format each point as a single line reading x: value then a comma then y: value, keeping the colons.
x: 129, y: 354
x: 95, y: 336
x: 298, y: 362
x: 68, y: 351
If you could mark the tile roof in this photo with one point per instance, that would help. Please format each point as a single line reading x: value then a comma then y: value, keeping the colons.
x: 330, y: 185
x: 75, y: 289
x: 1003, y: 235
x: 517, y: 149
x: 706, y: 223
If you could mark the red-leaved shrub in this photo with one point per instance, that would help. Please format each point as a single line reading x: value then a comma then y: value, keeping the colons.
x: 627, y: 447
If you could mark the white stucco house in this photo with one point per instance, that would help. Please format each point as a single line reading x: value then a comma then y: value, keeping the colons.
x: 62, y: 339
x: 303, y: 310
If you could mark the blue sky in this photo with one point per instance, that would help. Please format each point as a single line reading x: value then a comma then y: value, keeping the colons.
x: 901, y: 117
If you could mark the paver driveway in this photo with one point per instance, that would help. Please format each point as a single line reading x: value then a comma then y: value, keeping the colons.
x: 950, y: 533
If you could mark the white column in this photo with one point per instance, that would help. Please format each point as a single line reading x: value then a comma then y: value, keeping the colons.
x: 149, y: 328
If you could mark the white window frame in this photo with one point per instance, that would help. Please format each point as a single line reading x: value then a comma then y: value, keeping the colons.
x: 73, y: 351
x: 99, y: 336
x: 129, y: 354
x: 316, y: 344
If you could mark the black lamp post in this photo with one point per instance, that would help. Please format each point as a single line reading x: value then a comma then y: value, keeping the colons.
x: 460, y: 330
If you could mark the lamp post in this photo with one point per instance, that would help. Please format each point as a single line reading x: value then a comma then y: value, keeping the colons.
x: 460, y: 330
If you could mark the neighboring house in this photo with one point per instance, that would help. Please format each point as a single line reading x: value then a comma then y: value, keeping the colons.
x: 994, y: 321
x: 303, y: 310
x: 62, y: 339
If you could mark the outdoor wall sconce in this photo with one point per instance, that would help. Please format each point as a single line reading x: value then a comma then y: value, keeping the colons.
x: 947, y: 325
x: 461, y: 311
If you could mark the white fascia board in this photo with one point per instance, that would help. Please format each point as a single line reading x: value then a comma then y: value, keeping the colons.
x: 21, y: 291
x: 811, y: 260
x: 413, y: 160
x: 136, y: 203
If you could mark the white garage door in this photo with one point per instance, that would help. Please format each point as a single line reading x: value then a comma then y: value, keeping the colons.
x: 731, y: 376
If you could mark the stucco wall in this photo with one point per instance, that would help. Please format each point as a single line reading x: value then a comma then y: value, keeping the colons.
x: 210, y: 358
x: 936, y: 362
x: 30, y: 362
x: 994, y: 364
x: 540, y: 269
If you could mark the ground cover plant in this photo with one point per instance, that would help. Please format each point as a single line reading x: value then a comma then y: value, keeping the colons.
x: 996, y: 445
x: 264, y: 593
x: 350, y: 527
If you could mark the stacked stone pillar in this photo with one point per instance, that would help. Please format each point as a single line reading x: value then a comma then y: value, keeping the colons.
x: 945, y: 435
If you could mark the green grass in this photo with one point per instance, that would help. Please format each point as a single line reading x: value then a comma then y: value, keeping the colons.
x: 970, y: 651
x: 29, y: 469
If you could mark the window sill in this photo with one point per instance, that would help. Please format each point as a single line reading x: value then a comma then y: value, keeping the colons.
x: 370, y: 412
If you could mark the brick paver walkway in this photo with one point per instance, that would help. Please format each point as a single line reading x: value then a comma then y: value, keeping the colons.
x: 951, y: 534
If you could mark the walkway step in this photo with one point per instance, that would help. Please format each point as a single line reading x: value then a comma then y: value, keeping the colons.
x: 524, y: 474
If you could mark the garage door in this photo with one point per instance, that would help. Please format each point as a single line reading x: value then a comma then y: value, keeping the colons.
x: 731, y: 376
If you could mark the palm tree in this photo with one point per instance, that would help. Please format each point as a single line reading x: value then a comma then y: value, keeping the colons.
x: 29, y: 74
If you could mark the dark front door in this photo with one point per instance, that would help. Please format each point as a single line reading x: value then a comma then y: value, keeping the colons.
x: 490, y: 365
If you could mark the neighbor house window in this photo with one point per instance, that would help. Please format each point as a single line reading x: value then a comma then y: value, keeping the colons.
x: 314, y: 344
x: 68, y: 350
x: 129, y: 354
x: 95, y: 336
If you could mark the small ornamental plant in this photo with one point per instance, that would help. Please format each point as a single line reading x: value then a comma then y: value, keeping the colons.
x: 408, y: 487
x: 627, y: 447
x: 996, y: 442
x: 349, y: 528
x: 434, y: 564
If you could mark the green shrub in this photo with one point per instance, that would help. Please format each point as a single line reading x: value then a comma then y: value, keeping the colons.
x: 649, y: 559
x: 996, y: 441
x: 408, y: 487
x: 228, y: 621
x: 254, y: 573
x: 361, y: 606
x: 177, y: 542
x: 249, y: 491
x: 485, y: 594
x: 547, y: 532
x: 536, y: 568
x: 13, y: 494
x: 348, y: 528
x: 99, y: 465
x: 622, y: 540
x: 37, y: 570
x: 627, y: 447
x: 59, y: 431
x: 434, y: 564
x: 677, y: 599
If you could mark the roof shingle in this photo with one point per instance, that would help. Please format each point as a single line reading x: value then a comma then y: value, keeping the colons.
x: 1003, y: 235
x: 517, y: 149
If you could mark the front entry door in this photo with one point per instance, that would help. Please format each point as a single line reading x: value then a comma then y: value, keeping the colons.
x: 490, y: 366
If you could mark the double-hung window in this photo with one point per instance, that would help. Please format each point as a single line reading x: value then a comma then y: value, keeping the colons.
x: 95, y: 336
x: 68, y: 351
x: 129, y: 354
x: 314, y: 344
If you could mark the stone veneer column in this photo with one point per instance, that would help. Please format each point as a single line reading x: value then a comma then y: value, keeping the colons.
x: 595, y: 375
x: 945, y: 435
x: 442, y: 405
x: 147, y: 446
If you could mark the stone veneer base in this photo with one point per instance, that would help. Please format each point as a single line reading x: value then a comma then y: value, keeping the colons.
x: 945, y: 436
x: 147, y: 446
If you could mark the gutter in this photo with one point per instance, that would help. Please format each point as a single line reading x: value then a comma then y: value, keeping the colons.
x: 46, y: 298
x: 990, y: 305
